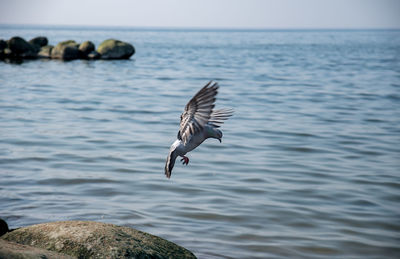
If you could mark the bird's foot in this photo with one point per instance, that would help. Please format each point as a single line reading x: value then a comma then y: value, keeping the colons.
x: 185, y: 160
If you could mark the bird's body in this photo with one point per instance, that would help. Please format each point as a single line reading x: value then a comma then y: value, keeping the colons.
x: 208, y: 132
x: 198, y: 122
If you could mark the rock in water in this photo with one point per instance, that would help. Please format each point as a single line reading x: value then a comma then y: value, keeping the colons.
x: 3, y: 46
x: 94, y: 55
x: 45, y: 51
x: 86, y: 48
x: 115, y: 49
x: 66, y: 50
x: 39, y: 41
x: 3, y: 227
x: 21, y: 48
x: 88, y: 239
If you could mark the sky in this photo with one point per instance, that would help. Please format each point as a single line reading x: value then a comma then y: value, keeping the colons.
x: 242, y: 14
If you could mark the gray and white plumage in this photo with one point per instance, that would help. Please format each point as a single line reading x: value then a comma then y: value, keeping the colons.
x: 199, y: 121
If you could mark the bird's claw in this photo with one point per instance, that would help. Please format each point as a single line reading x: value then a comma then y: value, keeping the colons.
x: 185, y: 160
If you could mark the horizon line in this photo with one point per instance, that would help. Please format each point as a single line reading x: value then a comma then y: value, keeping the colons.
x: 199, y: 28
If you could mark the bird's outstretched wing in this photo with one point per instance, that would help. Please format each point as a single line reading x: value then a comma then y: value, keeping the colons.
x: 217, y: 117
x: 198, y: 112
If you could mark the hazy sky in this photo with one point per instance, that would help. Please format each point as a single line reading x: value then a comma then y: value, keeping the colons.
x: 205, y: 13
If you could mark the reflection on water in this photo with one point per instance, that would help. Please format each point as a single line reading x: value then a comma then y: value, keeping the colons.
x: 308, y: 166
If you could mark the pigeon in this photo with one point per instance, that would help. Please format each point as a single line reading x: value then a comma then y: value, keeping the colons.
x: 199, y: 121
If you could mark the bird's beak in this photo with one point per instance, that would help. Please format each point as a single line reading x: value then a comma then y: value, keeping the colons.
x: 220, y: 141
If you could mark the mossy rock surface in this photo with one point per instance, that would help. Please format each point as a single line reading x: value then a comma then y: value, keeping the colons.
x: 115, y: 49
x: 87, y: 239
x: 85, y: 48
x: 11, y: 250
x: 45, y: 51
x: 66, y: 50
x: 71, y: 43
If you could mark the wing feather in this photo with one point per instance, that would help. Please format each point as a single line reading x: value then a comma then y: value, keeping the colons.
x: 198, y: 111
x: 218, y: 117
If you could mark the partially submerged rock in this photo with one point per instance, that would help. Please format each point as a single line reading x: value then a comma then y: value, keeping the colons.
x: 87, y: 239
x: 45, y: 51
x: 86, y: 48
x: 115, y: 49
x: 39, y: 41
x: 21, y: 48
x: 94, y: 55
x: 3, y: 227
x: 66, y: 50
x: 18, y: 49
x: 3, y: 44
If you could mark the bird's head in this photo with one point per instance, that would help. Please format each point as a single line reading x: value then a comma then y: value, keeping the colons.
x: 170, y: 163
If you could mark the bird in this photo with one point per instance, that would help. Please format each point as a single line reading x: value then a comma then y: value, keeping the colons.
x: 199, y: 121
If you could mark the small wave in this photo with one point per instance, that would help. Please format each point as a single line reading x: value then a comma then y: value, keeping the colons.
x: 75, y: 181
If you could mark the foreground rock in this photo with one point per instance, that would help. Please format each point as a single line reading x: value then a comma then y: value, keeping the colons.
x: 115, y: 49
x: 86, y: 239
x: 10, y: 250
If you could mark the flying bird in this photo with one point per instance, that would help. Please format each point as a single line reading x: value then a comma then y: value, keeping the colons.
x: 199, y: 121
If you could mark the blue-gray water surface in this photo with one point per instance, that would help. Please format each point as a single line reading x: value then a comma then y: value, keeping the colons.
x: 309, y: 165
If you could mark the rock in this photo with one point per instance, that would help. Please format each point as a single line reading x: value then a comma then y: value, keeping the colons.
x: 87, y: 239
x: 7, y: 54
x: 115, y: 49
x: 39, y: 41
x: 21, y: 48
x: 18, y: 49
x: 12, y: 250
x: 3, y: 227
x: 86, y: 48
x: 66, y: 50
x: 45, y: 51
x: 3, y: 46
x: 94, y: 55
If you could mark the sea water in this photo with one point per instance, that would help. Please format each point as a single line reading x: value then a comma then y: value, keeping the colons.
x: 309, y: 165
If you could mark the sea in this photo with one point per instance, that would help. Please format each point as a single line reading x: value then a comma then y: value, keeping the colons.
x: 308, y: 167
